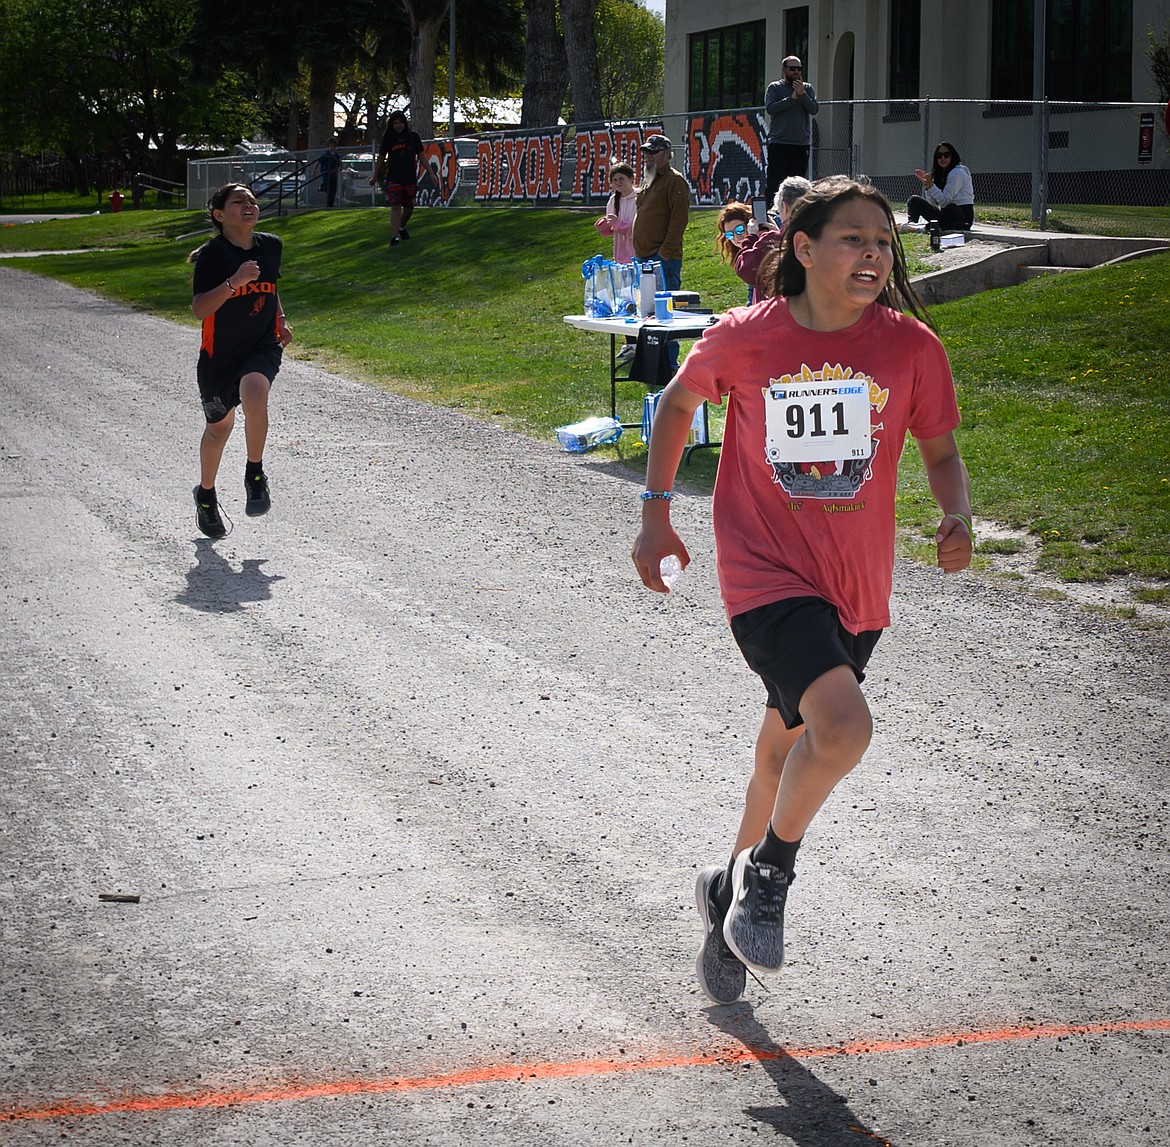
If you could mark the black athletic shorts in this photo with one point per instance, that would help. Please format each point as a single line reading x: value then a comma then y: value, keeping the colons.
x: 792, y: 642
x: 219, y: 390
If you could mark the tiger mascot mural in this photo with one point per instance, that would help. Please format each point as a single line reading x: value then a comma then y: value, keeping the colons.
x: 725, y: 156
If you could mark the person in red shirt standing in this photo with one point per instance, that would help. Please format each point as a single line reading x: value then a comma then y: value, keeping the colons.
x: 823, y: 381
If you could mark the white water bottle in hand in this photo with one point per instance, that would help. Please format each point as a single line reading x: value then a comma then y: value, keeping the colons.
x: 669, y: 569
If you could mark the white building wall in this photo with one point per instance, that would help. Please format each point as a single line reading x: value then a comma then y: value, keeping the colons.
x: 956, y: 41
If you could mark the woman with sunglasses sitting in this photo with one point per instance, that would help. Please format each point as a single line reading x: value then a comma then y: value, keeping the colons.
x: 948, y: 196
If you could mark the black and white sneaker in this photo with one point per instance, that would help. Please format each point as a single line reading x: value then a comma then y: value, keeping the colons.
x: 754, y: 925
x: 721, y: 973
x: 259, y: 502
x: 403, y: 233
x: 207, y: 516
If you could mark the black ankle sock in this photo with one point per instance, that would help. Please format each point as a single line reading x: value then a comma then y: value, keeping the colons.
x: 722, y: 889
x: 780, y: 853
x: 251, y: 469
x: 207, y: 494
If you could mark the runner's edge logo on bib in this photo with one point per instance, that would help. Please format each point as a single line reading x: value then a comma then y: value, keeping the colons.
x: 818, y: 438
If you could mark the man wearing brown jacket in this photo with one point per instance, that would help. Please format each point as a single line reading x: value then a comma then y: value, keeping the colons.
x: 664, y: 200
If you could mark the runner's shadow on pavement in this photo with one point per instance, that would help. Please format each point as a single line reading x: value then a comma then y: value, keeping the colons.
x: 812, y: 1114
x: 214, y: 585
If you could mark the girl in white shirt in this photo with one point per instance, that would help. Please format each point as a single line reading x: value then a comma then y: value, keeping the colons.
x: 948, y: 196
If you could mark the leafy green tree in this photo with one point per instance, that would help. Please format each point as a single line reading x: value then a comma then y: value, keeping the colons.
x: 630, y: 52
x: 1158, y: 53
x: 318, y: 38
x: 489, y: 57
x: 85, y: 77
x: 368, y: 47
x: 489, y: 49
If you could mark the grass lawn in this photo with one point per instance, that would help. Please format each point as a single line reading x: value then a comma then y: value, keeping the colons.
x: 1083, y: 219
x: 1066, y: 406
x: 90, y: 231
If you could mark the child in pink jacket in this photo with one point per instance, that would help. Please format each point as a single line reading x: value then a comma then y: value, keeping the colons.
x: 618, y: 219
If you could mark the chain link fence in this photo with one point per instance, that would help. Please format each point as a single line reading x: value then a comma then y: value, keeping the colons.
x: 25, y: 179
x: 1069, y: 166
x: 1026, y: 158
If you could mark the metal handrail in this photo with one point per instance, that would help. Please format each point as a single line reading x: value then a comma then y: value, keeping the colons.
x: 268, y: 201
x: 144, y: 181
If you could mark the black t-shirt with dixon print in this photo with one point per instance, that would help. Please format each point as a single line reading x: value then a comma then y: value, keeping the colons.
x: 246, y: 322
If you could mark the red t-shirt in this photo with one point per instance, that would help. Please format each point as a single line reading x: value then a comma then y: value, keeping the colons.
x: 792, y: 522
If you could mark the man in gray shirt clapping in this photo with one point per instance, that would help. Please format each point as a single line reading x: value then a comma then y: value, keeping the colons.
x: 790, y: 104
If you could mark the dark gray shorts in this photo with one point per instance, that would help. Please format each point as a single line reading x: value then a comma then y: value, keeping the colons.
x: 792, y: 642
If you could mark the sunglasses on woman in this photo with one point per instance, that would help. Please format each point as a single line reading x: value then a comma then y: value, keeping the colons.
x: 942, y: 155
x: 732, y: 234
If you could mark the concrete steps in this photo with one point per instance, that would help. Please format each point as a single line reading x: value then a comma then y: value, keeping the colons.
x: 1027, y: 273
x: 1027, y: 256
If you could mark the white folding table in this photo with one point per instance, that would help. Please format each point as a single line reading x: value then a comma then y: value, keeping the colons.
x: 681, y: 326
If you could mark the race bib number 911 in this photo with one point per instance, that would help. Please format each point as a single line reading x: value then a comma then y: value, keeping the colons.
x: 817, y: 422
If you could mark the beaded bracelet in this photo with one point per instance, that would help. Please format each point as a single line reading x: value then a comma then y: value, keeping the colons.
x: 649, y: 495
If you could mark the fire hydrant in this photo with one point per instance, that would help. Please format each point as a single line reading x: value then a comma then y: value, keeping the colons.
x: 116, y: 198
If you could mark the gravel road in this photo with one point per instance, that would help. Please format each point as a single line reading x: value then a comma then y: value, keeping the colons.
x: 412, y: 779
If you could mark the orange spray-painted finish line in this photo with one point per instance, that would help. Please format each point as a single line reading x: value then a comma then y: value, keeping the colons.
x: 570, y: 1069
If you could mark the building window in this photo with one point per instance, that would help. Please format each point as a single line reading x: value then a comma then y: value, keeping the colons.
x: 1011, y: 50
x: 1089, y: 50
x: 905, y: 48
x: 727, y: 67
x: 796, y: 35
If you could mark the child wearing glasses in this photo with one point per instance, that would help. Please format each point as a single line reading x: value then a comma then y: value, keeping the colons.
x: 760, y: 249
x: 948, y: 195
x: 742, y: 244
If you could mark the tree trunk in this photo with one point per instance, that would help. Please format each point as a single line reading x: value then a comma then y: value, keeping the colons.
x: 80, y: 174
x: 581, y: 50
x: 322, y: 101
x: 427, y: 17
x: 544, y: 66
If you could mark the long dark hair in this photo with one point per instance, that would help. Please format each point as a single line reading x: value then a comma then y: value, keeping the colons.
x: 811, y: 214
x: 218, y: 198
x: 939, y: 174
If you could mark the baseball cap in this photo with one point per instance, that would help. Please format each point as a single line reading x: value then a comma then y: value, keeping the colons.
x: 657, y: 143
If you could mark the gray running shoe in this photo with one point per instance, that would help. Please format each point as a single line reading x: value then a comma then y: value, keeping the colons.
x: 754, y: 925
x: 207, y: 517
x: 258, y: 501
x: 721, y: 975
